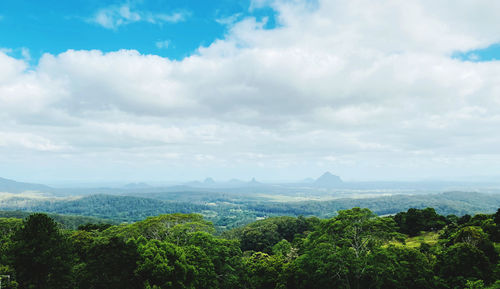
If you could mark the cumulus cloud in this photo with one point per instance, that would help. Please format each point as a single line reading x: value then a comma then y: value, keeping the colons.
x: 115, y: 16
x: 364, y: 88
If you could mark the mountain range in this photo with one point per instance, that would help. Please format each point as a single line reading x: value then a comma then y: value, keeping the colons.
x: 11, y: 186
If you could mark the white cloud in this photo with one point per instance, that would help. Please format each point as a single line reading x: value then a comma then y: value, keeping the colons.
x: 28, y: 141
x: 172, y: 18
x: 229, y: 20
x: 115, y: 16
x: 359, y: 87
x: 162, y: 44
x: 25, y: 53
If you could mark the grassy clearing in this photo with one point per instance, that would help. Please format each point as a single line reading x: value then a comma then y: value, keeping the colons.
x: 430, y: 238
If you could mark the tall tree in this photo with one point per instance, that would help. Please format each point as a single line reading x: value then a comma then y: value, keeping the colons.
x: 42, y: 255
x: 111, y: 264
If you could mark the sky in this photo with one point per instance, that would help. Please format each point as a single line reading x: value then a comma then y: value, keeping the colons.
x: 162, y: 91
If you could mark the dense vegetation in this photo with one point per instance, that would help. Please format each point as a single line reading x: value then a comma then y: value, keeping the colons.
x: 228, y: 211
x: 355, y: 249
x: 65, y: 221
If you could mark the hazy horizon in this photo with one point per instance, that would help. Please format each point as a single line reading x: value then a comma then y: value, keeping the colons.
x: 96, y: 182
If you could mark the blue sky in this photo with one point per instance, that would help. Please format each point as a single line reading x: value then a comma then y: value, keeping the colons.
x: 490, y: 53
x: 54, y: 26
x: 153, y: 90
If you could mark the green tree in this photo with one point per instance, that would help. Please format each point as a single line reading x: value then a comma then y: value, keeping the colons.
x: 225, y: 256
x: 205, y: 276
x: 414, y: 220
x: 400, y: 268
x: 8, y: 227
x: 42, y: 255
x: 321, y: 266
x: 461, y: 262
x: 110, y: 264
x: 164, y: 265
x: 475, y: 237
x: 262, y: 271
x: 339, y: 251
x: 263, y: 235
x: 260, y: 238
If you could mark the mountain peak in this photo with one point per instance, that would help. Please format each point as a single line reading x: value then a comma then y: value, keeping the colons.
x: 328, y: 180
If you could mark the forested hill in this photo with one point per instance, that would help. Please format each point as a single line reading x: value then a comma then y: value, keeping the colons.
x: 65, y: 221
x: 356, y: 249
x: 228, y: 211
x: 117, y: 208
x: 457, y: 203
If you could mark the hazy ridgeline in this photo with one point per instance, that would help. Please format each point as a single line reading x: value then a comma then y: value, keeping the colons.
x: 236, y: 203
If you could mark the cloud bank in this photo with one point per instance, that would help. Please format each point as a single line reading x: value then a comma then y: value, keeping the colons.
x: 368, y: 89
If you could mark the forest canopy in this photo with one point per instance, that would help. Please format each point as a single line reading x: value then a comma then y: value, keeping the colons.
x: 355, y: 249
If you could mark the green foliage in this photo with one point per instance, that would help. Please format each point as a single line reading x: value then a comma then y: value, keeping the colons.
x: 228, y: 211
x: 344, y: 245
x: 65, y: 221
x: 163, y: 265
x: 91, y: 227
x: 400, y: 267
x: 414, y: 221
x: 495, y: 285
x: 478, y: 284
x: 171, y: 227
x: 8, y: 227
x: 204, y: 274
x: 41, y: 254
x: 225, y: 255
x: 263, y: 235
x: 464, y: 261
x: 109, y: 263
x: 118, y: 208
x: 354, y: 249
x: 322, y: 265
x: 262, y: 271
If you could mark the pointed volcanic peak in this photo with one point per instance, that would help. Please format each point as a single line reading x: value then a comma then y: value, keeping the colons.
x: 328, y: 180
x: 209, y: 181
x: 253, y: 182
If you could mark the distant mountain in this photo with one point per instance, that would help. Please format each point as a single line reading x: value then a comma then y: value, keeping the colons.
x: 209, y: 181
x: 328, y: 180
x: 254, y: 182
x: 11, y: 186
x: 137, y: 186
